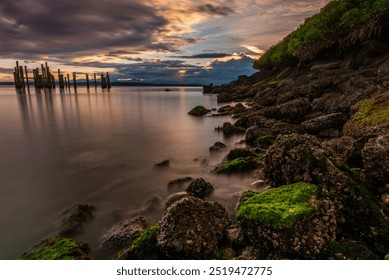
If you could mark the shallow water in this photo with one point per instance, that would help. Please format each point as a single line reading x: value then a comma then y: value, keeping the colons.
x: 100, y: 148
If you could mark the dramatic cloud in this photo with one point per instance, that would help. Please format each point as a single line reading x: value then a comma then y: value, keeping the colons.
x: 204, y: 55
x: 141, y: 37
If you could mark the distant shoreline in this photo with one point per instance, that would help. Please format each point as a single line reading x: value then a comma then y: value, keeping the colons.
x: 119, y: 84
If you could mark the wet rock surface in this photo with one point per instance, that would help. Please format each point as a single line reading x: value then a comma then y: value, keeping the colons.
x: 192, y: 229
x: 74, y: 219
x: 200, y: 188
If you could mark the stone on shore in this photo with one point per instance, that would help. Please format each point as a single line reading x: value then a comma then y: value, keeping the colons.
x: 120, y: 235
x: 192, y: 229
x: 74, y: 218
x: 218, y: 147
x: 200, y: 188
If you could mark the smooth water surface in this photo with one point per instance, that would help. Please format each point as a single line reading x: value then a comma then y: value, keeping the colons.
x: 59, y: 149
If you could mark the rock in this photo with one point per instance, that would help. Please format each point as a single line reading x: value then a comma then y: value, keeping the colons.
x: 225, y: 109
x: 192, y: 229
x: 217, y: 147
x: 326, y: 66
x: 165, y: 163
x: 224, y: 97
x: 144, y: 247
x: 349, y: 250
x: 120, y: 235
x: 228, y: 129
x: 199, y: 111
x: 296, y: 158
x: 174, y: 198
x: 179, y: 182
x: 291, y: 110
x: 200, y: 188
x: 58, y: 248
x: 240, y: 164
x: 239, y: 153
x: 375, y: 156
x: 168, y: 89
x: 74, y: 218
x: 288, y: 221
x: 253, y: 133
x: 331, y: 121
x: 243, y: 122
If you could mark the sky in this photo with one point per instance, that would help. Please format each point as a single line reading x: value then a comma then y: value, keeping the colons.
x: 152, y: 41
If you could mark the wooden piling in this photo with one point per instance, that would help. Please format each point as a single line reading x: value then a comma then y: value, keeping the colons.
x: 75, y: 80
x: 94, y: 75
x: 27, y: 79
x: 108, y: 81
x: 87, y: 81
x: 103, y: 82
x: 68, y: 81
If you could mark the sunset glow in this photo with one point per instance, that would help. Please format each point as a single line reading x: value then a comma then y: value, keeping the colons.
x: 145, y: 39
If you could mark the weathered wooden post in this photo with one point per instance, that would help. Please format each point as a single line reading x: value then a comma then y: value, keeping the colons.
x: 75, y: 80
x: 68, y: 81
x: 48, y: 76
x: 27, y: 80
x: 108, y: 81
x: 94, y: 75
x: 87, y: 81
x: 103, y: 82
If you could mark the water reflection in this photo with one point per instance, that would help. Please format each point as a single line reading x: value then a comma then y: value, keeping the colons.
x: 97, y: 147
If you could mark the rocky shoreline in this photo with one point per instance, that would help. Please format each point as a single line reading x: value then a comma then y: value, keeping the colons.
x: 318, y: 135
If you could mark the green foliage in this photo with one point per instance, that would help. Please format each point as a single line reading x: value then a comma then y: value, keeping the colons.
x: 281, y: 207
x: 336, y: 19
x: 58, y: 248
x: 238, y: 165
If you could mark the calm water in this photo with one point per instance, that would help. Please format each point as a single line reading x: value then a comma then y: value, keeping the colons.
x: 60, y: 149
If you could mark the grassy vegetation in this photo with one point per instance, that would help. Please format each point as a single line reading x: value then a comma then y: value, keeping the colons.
x: 336, y: 19
x: 58, y: 248
x: 279, y: 208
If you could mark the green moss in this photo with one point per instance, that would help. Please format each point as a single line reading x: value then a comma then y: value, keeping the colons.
x: 145, y: 244
x: 281, y: 207
x: 373, y: 112
x: 351, y: 250
x: 238, y: 165
x: 58, y: 248
x: 386, y: 258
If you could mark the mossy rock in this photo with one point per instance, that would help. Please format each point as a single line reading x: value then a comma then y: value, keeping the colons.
x: 143, y: 247
x: 350, y: 250
x: 58, y: 248
x: 239, y: 153
x: 238, y: 165
x: 74, y: 218
x: 224, y: 97
x: 264, y: 141
x: 287, y: 222
x: 280, y: 207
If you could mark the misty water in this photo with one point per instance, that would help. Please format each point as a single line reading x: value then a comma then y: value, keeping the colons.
x: 60, y: 149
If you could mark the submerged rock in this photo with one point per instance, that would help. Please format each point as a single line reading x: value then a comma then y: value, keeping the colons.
x: 165, y: 163
x: 58, y: 248
x: 200, y: 188
x: 174, y: 198
x: 218, y: 147
x: 74, y: 218
x: 120, y: 235
x: 192, y: 229
x: 199, y: 111
x: 179, y: 183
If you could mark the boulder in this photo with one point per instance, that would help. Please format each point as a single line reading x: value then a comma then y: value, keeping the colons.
x: 375, y: 156
x: 218, y: 147
x: 200, y: 188
x: 179, y: 182
x: 199, y: 111
x: 291, y: 221
x: 144, y: 247
x: 291, y: 110
x: 239, y: 153
x: 120, y: 235
x: 241, y: 164
x: 74, y: 218
x: 192, y: 229
x: 174, y: 198
x: 330, y: 121
x: 162, y: 164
